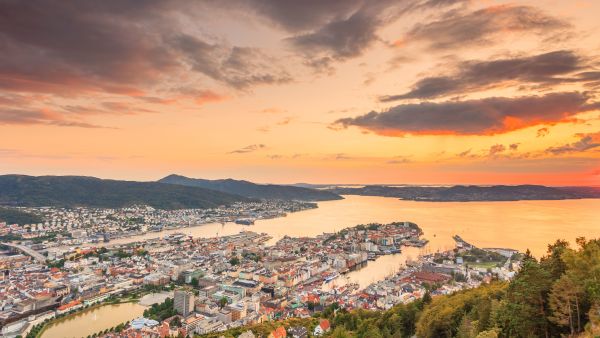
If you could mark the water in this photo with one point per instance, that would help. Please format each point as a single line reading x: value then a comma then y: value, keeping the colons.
x: 518, y: 225
x: 94, y: 320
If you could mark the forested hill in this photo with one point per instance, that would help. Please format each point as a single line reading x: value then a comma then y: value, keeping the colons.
x: 557, y: 296
x: 253, y: 190
x: 73, y: 191
x: 12, y: 216
x: 466, y: 193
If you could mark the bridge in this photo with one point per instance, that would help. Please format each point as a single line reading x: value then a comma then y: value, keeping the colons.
x: 28, y: 251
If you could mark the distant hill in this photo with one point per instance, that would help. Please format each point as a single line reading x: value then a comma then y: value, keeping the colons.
x: 462, y: 193
x: 253, y: 190
x: 72, y: 191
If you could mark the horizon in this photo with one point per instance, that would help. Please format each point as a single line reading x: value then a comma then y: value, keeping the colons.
x: 304, y: 183
x: 323, y: 91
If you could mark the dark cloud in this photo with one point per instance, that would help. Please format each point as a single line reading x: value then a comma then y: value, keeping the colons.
x: 514, y: 146
x: 51, y: 46
x: 328, y: 31
x: 483, y: 116
x: 238, y: 67
x: 585, y: 142
x: 457, y: 29
x: 124, y: 47
x: 543, y: 69
x: 341, y: 39
x: 248, y: 149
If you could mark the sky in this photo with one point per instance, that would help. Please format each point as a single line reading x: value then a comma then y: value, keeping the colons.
x: 287, y: 91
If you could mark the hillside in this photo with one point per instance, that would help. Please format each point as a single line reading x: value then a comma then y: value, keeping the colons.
x: 14, y: 216
x: 73, y: 191
x: 462, y: 193
x: 253, y: 190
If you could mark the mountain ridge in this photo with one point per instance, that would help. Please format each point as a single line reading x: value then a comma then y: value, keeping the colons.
x: 471, y: 193
x: 253, y: 190
x: 87, y: 191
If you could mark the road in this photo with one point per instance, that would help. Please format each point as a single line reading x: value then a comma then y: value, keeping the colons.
x: 28, y: 251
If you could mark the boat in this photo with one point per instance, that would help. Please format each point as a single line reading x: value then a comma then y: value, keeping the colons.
x: 244, y: 221
x: 331, y: 277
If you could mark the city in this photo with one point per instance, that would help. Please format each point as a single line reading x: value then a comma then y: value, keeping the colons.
x: 299, y: 169
x: 219, y: 283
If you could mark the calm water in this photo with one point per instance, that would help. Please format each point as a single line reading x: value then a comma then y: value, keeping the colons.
x: 519, y: 225
x: 93, y: 321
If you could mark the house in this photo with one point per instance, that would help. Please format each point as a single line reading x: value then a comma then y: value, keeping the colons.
x: 247, y: 334
x: 278, y: 333
x: 298, y: 332
x: 323, y: 327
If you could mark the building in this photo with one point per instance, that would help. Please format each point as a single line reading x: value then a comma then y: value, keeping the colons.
x: 323, y: 327
x: 297, y: 332
x: 183, y: 302
x: 278, y: 333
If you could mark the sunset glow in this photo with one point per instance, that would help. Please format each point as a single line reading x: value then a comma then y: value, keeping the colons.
x: 391, y: 92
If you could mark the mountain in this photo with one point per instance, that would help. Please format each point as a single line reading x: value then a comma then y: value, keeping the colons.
x: 73, y: 191
x: 253, y: 190
x: 462, y: 193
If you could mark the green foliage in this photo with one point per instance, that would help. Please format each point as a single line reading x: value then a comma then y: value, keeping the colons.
x: 445, y: 314
x: 161, y: 311
x: 16, y: 216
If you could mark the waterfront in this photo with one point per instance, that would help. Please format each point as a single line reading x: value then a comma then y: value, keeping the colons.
x: 519, y: 225
x: 94, y: 320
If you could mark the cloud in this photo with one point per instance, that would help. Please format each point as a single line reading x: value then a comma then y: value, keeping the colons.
x: 238, y: 67
x: 117, y: 47
x: 514, y: 146
x: 472, y: 117
x: 248, y: 149
x: 41, y: 116
x: 496, y: 149
x: 542, y: 132
x: 456, y: 29
x: 543, y: 69
x: 399, y: 160
x: 336, y: 30
x: 341, y: 39
x: 585, y: 142
x: 208, y: 96
x: 272, y: 110
x: 465, y: 153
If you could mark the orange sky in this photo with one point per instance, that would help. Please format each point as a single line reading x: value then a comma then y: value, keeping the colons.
x: 353, y: 91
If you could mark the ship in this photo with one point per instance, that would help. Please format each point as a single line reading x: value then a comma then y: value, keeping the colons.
x: 244, y: 221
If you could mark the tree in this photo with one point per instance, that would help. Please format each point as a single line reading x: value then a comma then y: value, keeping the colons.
x: 195, y: 282
x: 526, y: 307
x: 565, y: 304
x: 340, y: 332
x: 223, y: 301
x: 553, y: 262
